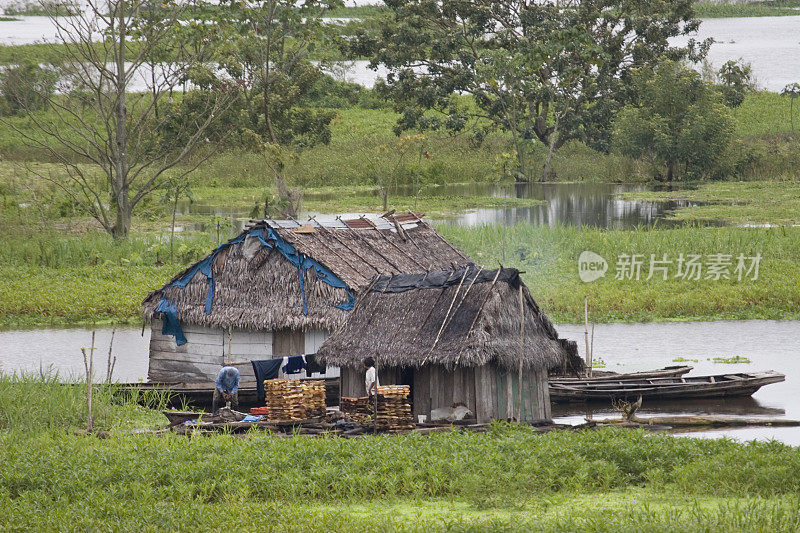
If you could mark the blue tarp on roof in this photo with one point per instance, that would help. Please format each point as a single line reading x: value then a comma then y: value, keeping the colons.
x: 271, y: 240
x: 171, y: 326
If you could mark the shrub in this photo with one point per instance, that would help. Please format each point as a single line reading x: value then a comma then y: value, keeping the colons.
x: 677, y: 121
x: 25, y: 88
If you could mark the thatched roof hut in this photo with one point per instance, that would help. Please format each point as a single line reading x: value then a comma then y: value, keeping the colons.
x: 458, y: 335
x: 281, y: 276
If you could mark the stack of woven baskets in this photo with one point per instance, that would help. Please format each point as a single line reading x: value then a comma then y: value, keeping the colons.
x: 314, y: 397
x: 285, y: 399
x: 353, y: 405
x: 293, y: 399
x: 394, y: 411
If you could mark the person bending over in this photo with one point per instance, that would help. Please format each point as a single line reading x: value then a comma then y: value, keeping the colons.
x: 227, y: 388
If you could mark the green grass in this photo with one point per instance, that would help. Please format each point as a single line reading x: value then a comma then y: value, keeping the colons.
x: 509, y: 478
x: 764, y: 113
x: 365, y: 151
x: 69, y: 279
x: 759, y: 202
x: 752, y: 9
x: 549, y: 256
x: 59, y: 279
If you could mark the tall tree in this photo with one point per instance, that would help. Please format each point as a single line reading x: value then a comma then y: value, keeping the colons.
x: 548, y: 70
x: 267, y: 49
x: 678, y: 120
x: 104, y: 136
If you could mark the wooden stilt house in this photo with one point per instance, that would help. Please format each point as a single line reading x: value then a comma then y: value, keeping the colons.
x: 466, y: 337
x: 279, y: 288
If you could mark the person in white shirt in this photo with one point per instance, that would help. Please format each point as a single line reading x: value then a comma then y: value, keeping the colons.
x: 371, y: 378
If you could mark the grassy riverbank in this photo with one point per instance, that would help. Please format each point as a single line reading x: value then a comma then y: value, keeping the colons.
x: 549, y: 258
x: 509, y: 478
x: 775, y: 8
x: 364, y: 151
x: 748, y: 203
x: 70, y: 279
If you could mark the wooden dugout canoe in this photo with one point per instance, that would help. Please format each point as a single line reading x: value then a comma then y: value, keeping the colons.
x: 663, y: 388
x: 602, y: 375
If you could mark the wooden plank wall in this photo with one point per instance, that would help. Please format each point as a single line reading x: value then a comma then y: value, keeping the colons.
x: 352, y: 383
x: 198, y: 360
x: 486, y: 408
x: 245, y: 346
x: 435, y: 387
x: 314, y: 339
x: 208, y: 349
x: 490, y: 392
x: 535, y: 396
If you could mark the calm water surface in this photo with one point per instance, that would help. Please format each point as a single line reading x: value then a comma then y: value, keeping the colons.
x: 567, y: 204
x: 769, y: 344
x: 770, y: 44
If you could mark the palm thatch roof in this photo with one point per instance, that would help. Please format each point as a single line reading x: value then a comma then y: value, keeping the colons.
x: 289, y: 274
x: 466, y: 317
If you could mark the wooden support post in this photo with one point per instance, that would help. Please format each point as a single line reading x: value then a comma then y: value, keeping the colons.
x: 230, y: 357
x: 521, y: 352
x: 586, y: 337
x: 111, y: 363
x: 88, y: 365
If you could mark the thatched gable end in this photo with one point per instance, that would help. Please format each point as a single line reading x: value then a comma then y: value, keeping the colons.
x: 281, y: 274
x: 462, y: 317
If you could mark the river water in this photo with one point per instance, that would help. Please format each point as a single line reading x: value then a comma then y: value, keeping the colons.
x: 770, y: 44
x: 768, y: 344
x: 567, y: 204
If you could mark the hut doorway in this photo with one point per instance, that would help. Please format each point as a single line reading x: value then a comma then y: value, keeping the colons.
x: 407, y: 378
x: 286, y: 342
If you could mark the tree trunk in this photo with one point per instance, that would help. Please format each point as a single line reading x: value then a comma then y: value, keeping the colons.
x: 172, y: 232
x: 550, y: 150
x: 267, y: 119
x: 120, y: 191
x: 670, y: 169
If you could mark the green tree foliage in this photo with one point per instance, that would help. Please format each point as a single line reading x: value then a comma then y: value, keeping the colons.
x: 677, y: 122
x: 735, y: 80
x: 265, y: 49
x: 25, y: 88
x: 105, y: 138
x: 548, y: 71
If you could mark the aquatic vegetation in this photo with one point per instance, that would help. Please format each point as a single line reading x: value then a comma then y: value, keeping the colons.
x: 735, y: 359
x: 746, y: 203
x: 549, y: 259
